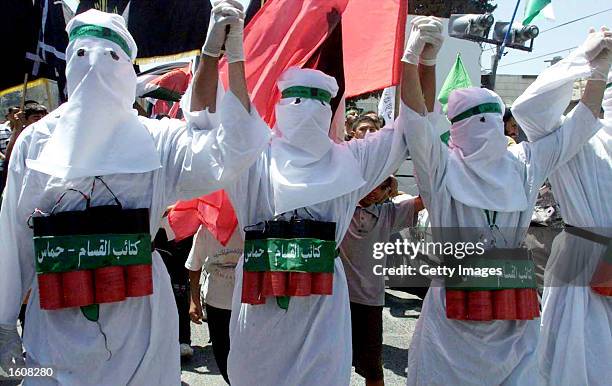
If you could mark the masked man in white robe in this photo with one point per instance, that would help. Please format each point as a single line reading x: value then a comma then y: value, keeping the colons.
x: 303, y: 173
x: 575, y: 346
x: 97, y: 136
x: 477, y: 181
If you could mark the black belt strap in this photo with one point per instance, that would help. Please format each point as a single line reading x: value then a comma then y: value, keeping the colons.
x: 587, y: 235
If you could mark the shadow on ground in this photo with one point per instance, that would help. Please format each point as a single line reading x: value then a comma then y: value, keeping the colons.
x: 399, y: 307
x: 202, y: 357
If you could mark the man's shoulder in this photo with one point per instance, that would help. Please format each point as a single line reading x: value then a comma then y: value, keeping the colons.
x: 5, y: 130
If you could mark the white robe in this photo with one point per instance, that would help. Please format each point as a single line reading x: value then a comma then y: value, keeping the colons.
x: 451, y: 352
x: 141, y: 333
x: 575, y: 345
x: 310, y: 343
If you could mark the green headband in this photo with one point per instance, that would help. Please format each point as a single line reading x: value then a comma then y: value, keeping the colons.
x: 480, y: 109
x: 102, y: 33
x: 306, y: 92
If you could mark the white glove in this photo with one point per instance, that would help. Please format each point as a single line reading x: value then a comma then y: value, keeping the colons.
x: 415, y: 44
x: 11, y: 352
x: 431, y: 33
x: 597, y: 48
x: 234, y: 48
x: 224, y: 13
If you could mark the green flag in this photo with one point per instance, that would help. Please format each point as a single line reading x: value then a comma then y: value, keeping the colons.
x: 533, y: 8
x: 457, y: 78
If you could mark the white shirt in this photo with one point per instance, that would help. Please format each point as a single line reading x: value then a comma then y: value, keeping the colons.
x: 219, y: 264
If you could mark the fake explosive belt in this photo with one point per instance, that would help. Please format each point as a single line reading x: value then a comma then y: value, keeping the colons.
x: 99, y: 255
x: 601, y: 281
x: 509, y: 296
x: 288, y: 258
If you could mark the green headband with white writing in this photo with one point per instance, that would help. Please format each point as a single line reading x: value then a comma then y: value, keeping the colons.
x: 480, y: 109
x: 306, y: 92
x: 102, y: 33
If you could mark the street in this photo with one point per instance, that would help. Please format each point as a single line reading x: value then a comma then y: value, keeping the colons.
x: 399, y: 319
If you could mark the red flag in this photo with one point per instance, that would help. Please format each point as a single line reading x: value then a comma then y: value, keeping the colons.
x: 284, y: 33
x: 213, y: 210
x: 373, y: 43
x: 183, y: 219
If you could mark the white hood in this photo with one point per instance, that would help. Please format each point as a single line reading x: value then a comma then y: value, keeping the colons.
x: 306, y: 166
x: 98, y: 132
x: 481, y: 172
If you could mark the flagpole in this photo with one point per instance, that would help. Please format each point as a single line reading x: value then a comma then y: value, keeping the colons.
x: 500, y: 50
x: 508, y: 31
x: 23, y: 92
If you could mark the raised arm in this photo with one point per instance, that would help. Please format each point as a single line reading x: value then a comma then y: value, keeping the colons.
x: 225, y: 28
x: 553, y: 146
x: 418, y: 97
x: 539, y: 110
x: 211, y: 152
x: 382, y: 153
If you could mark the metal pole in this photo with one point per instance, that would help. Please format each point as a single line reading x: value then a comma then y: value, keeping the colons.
x: 494, y: 69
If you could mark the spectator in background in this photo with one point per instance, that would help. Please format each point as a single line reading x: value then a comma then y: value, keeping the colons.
x: 374, y: 115
x: 33, y: 112
x: 5, y: 135
x: 363, y: 125
x: 374, y: 221
x: 351, y: 115
x: 17, y: 121
x: 511, y: 128
x: 219, y: 263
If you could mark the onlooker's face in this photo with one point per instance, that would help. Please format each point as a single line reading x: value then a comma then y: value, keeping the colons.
x: 34, y: 118
x: 512, y: 129
x: 374, y: 116
x: 348, y: 125
x: 11, y: 115
x: 363, y: 128
x: 379, y: 194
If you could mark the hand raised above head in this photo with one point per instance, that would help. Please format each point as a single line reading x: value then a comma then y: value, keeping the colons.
x: 224, y: 14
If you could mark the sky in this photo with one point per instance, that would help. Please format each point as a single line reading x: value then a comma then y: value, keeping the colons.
x: 561, y: 38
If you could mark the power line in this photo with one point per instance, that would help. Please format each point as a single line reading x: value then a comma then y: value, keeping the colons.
x: 575, y: 20
x: 537, y: 57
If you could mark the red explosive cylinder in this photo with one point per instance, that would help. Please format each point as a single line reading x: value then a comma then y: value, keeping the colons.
x: 299, y: 284
x: 322, y: 283
x: 252, y: 283
x: 524, y: 307
x: 139, y: 280
x: 274, y: 284
x: 480, y: 305
x: 601, y: 282
x: 78, y: 288
x: 535, y: 303
x: 456, y: 304
x: 504, y: 304
x: 50, y: 291
x: 110, y: 284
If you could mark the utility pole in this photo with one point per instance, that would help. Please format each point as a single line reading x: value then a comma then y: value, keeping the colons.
x: 494, y: 64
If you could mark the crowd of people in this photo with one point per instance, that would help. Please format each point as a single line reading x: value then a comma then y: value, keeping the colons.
x: 289, y: 293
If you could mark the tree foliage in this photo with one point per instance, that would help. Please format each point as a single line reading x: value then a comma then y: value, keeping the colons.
x: 443, y: 8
